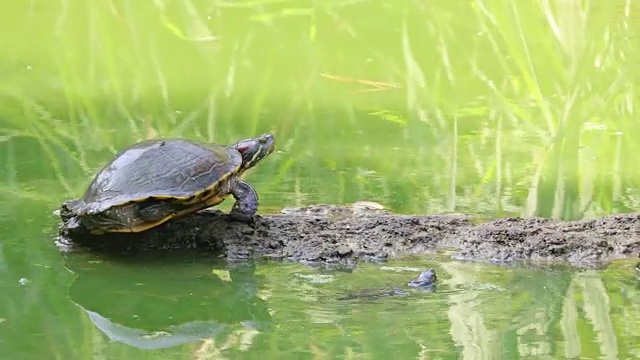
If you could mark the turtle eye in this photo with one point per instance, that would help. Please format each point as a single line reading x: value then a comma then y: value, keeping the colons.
x: 262, y: 140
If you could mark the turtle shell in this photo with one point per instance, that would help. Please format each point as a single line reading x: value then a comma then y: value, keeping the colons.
x: 152, y: 182
x: 159, y: 169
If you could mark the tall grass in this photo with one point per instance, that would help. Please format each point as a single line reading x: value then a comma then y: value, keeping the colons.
x: 486, y: 107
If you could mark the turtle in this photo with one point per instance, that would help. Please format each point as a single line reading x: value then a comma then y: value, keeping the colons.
x: 154, y: 181
x: 426, y: 282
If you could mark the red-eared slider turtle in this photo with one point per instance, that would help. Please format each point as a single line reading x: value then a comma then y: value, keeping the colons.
x: 426, y: 281
x: 154, y: 181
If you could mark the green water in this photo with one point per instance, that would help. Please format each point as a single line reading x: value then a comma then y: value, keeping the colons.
x: 490, y: 108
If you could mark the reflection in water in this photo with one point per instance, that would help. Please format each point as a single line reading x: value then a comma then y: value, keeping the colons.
x: 477, y: 312
x: 154, y: 306
x: 468, y: 329
x: 539, y: 313
x: 172, y: 336
x: 596, y: 306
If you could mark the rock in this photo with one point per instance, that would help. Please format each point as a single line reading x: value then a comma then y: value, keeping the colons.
x: 344, y: 250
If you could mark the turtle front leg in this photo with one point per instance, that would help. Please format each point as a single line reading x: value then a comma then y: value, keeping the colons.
x: 246, y: 204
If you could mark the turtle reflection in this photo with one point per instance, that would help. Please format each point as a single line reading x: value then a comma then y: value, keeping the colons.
x: 148, y: 307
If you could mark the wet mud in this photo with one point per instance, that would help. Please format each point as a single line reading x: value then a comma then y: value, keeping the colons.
x: 326, y: 234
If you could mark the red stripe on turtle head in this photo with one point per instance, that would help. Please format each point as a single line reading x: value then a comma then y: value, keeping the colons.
x: 243, y: 146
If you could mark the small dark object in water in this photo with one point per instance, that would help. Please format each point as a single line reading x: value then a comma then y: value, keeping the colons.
x: 154, y: 181
x: 426, y: 281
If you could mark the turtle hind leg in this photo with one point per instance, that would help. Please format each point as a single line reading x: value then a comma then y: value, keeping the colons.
x: 246, y: 204
x: 153, y: 213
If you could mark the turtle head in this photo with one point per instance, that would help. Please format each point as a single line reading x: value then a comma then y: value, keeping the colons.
x: 255, y: 149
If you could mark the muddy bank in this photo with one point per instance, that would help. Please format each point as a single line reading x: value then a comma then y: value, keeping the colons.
x: 324, y: 234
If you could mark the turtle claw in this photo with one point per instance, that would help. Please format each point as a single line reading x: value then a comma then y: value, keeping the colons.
x: 243, y: 217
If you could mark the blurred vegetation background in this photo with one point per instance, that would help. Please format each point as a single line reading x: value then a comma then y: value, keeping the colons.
x: 490, y: 107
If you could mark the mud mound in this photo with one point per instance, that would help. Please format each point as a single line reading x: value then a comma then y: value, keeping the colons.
x: 581, y: 243
x: 324, y: 234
